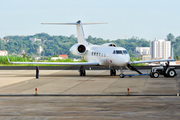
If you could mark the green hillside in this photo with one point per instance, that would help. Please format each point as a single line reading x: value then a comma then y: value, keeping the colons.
x: 53, y: 45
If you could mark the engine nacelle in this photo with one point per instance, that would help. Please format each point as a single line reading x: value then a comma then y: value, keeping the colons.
x: 109, y: 44
x: 78, y: 49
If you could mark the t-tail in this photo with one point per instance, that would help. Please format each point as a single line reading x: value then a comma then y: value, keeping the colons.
x: 80, y: 31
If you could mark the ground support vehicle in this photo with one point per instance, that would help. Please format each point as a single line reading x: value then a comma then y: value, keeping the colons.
x: 166, y: 71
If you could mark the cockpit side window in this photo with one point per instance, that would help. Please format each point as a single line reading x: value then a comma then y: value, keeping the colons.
x: 125, y: 52
x: 114, y: 52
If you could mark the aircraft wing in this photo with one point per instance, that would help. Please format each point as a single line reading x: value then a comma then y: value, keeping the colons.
x: 91, y: 63
x: 150, y: 61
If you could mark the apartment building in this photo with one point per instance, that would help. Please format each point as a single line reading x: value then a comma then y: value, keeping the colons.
x: 160, y: 49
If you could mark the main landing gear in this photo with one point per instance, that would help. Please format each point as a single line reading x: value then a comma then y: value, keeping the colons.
x: 113, y: 72
x: 82, y: 72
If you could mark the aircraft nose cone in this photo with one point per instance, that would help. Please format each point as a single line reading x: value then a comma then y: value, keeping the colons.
x: 126, y: 60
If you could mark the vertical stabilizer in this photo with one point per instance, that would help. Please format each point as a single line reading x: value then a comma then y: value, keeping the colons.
x: 80, y: 33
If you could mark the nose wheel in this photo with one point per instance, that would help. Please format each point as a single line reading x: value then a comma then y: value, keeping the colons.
x: 121, y: 75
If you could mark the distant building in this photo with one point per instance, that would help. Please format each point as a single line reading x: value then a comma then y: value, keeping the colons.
x: 77, y: 59
x: 63, y: 56
x: 5, y: 41
x: 143, y: 50
x: 60, y: 57
x: 40, y: 49
x: 34, y: 40
x: 55, y: 58
x: 146, y: 57
x: 160, y: 49
x: 23, y: 52
x: 3, y: 53
x: 37, y: 58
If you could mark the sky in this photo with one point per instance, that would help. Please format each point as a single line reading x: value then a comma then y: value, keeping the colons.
x: 148, y: 19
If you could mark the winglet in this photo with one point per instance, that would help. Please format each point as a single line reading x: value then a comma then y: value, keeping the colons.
x: 8, y: 58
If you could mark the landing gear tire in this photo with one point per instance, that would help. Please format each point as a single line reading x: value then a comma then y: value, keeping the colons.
x: 155, y: 74
x: 121, y: 75
x: 113, y: 72
x: 171, y: 73
x: 82, y: 72
x: 151, y: 74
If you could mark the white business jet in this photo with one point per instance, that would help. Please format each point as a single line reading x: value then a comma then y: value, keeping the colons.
x: 107, y: 54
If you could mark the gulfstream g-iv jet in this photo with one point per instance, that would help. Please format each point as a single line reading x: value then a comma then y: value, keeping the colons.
x: 107, y: 54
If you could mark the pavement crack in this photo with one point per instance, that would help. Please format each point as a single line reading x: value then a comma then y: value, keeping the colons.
x: 110, y: 85
x: 79, y: 83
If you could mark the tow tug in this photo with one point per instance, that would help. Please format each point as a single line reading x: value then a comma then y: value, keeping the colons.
x: 155, y: 72
x: 161, y: 70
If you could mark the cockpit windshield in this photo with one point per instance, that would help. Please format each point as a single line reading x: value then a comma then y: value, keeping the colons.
x: 120, y: 52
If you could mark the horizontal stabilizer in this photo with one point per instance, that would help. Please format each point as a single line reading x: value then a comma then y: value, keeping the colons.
x: 59, y: 23
x: 80, y: 31
x: 72, y: 23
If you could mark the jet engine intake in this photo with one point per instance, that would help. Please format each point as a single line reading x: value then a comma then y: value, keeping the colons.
x: 81, y: 48
x: 78, y: 49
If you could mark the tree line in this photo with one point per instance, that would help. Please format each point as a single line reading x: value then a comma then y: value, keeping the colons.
x: 56, y: 45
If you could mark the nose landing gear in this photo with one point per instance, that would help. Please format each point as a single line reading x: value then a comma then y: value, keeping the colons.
x: 121, y: 75
x: 113, y: 72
